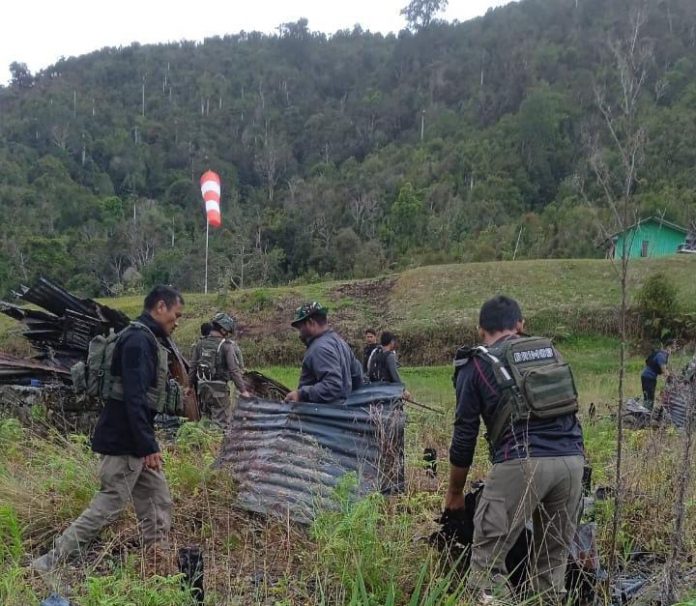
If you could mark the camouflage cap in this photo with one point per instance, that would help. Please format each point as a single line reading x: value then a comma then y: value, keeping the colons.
x: 307, y: 311
x: 224, y: 321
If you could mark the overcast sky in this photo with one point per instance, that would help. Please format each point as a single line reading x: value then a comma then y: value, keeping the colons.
x: 39, y: 32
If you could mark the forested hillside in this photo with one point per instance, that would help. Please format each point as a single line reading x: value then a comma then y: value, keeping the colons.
x: 340, y: 155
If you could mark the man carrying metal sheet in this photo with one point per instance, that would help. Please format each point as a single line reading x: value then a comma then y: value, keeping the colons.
x: 330, y: 370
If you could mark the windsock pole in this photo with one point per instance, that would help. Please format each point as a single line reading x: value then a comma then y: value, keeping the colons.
x: 207, y: 232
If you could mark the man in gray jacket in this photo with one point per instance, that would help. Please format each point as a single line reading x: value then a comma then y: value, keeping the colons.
x: 330, y: 370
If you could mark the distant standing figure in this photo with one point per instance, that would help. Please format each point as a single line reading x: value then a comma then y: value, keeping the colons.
x: 206, y: 327
x: 217, y: 360
x: 655, y: 365
x: 382, y: 364
x: 370, y: 346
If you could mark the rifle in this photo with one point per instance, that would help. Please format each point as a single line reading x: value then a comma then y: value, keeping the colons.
x: 178, y: 367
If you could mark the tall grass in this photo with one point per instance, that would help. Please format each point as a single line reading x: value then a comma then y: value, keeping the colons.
x: 363, y: 553
x: 125, y: 587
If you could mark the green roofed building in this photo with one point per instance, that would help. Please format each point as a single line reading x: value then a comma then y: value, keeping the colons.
x: 652, y: 237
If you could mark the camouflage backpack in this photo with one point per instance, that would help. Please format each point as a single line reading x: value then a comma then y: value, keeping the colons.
x: 534, y: 381
x: 209, y: 365
x: 94, y: 378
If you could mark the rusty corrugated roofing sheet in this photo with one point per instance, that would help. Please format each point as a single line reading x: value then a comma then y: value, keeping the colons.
x: 288, y: 458
x: 677, y: 399
x: 679, y: 395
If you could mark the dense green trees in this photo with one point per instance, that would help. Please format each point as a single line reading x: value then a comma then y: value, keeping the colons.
x: 340, y: 155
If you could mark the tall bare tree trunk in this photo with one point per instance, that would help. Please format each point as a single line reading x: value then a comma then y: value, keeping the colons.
x: 626, y: 138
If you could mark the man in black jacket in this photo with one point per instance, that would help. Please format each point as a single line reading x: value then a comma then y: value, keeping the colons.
x: 330, y: 370
x: 537, y: 462
x: 131, y: 466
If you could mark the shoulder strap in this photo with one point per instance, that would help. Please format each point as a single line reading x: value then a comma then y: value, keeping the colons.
x: 136, y: 324
x: 503, y: 376
x: 510, y: 394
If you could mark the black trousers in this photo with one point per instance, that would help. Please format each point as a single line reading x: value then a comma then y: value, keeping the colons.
x: 648, y: 391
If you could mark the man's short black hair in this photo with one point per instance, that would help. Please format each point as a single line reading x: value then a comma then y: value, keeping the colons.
x: 206, y: 327
x: 387, y: 338
x: 500, y: 313
x: 370, y: 331
x: 170, y: 295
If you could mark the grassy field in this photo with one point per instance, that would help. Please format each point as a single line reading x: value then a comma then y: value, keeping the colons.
x: 453, y: 293
x: 364, y: 554
x: 432, y: 309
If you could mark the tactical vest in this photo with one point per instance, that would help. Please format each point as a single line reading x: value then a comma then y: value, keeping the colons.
x: 533, y: 379
x: 96, y: 379
x: 212, y: 363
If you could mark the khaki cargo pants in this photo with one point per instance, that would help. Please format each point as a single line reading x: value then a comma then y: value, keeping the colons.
x: 543, y: 490
x: 216, y: 401
x: 123, y: 479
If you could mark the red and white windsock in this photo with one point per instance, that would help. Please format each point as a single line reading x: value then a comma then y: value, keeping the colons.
x: 210, y: 188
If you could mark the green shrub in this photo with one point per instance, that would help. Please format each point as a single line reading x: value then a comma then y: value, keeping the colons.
x: 14, y: 589
x: 196, y: 436
x: 11, y: 436
x: 657, y: 304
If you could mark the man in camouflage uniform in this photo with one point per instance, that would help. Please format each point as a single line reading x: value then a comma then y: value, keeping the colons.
x: 217, y: 360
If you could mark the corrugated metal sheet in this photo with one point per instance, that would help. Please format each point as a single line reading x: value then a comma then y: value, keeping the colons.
x: 288, y: 458
x: 677, y: 400
x: 54, y: 298
x: 679, y: 395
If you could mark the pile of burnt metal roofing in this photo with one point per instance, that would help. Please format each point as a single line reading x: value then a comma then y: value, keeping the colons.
x: 59, y: 332
x: 21, y: 371
x: 289, y: 457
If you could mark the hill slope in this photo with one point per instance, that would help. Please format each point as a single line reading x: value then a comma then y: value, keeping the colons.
x: 432, y: 309
x: 341, y: 156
